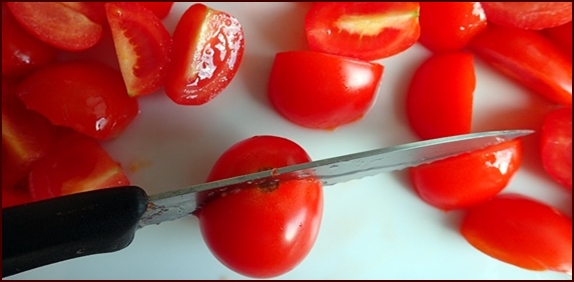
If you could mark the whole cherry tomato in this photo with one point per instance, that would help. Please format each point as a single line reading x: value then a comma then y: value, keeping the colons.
x: 363, y: 30
x: 468, y: 179
x: 556, y: 146
x: 440, y: 94
x: 520, y: 231
x: 450, y: 26
x: 87, y: 96
x: 542, y: 67
x: 320, y: 90
x: 207, y: 51
x: 528, y: 15
x: 142, y: 44
x: 266, y: 230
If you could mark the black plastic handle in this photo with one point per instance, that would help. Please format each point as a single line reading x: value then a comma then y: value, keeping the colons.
x: 72, y: 226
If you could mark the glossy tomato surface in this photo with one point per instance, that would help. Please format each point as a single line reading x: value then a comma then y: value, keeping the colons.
x: 208, y: 47
x: 440, y: 94
x: 142, y: 44
x: 528, y: 15
x: 320, y: 90
x: 521, y: 231
x: 266, y: 230
x: 469, y: 179
x: 87, y: 96
x: 450, y: 26
x: 562, y: 36
x: 160, y: 9
x: 542, y: 67
x: 556, y: 146
x: 363, y: 30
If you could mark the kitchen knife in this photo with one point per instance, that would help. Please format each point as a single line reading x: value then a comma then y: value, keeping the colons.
x: 105, y: 220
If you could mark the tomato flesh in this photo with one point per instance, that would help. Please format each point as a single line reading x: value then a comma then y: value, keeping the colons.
x: 440, y: 95
x: 556, y: 146
x: 322, y: 91
x: 208, y: 48
x: 528, y: 15
x: 469, y: 179
x: 362, y: 30
x: 143, y: 46
x: 266, y: 230
x: 521, y: 231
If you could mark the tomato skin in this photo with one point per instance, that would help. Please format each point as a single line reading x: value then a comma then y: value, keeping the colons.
x: 556, y: 146
x: 262, y: 231
x: 450, y: 26
x: 143, y: 46
x: 58, y: 24
x: 528, y: 15
x: 87, y: 96
x: 521, y: 231
x: 468, y: 179
x: 542, y: 67
x: 362, y: 30
x: 208, y: 48
x: 160, y: 9
x: 440, y: 95
x: 322, y: 91
x: 22, y: 53
x: 76, y: 163
x: 562, y: 36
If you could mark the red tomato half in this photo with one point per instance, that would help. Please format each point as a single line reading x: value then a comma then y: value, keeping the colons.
x: 143, y: 46
x: 60, y: 25
x: 449, y: 26
x: 266, y: 230
x: 528, y: 15
x: 207, y: 51
x: 320, y: 90
x: 556, y: 146
x: 160, y: 9
x: 89, y: 97
x: 76, y: 163
x: 542, y: 67
x: 440, y: 94
x: 468, y: 179
x: 363, y: 30
x: 521, y: 231
x: 22, y: 53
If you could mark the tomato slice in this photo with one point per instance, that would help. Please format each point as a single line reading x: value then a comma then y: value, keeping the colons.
x: 440, y: 95
x: 468, y: 179
x: 208, y: 47
x: 542, y: 67
x: 160, y: 9
x: 22, y: 53
x: 322, y: 91
x: 75, y: 164
x: 87, y: 96
x: 266, y: 230
x: 58, y: 24
x: 450, y: 26
x: 521, y: 231
x: 556, y: 146
x: 143, y: 46
x: 528, y: 15
x: 363, y: 30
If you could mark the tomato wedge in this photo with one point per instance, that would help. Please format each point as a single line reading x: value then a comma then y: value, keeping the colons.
x: 521, y: 231
x: 208, y: 47
x: 76, y: 163
x: 542, y: 67
x: 440, y: 95
x: 468, y: 179
x: 143, y: 46
x: 556, y: 146
x: 362, y: 30
x: 528, y: 15
x: 60, y: 25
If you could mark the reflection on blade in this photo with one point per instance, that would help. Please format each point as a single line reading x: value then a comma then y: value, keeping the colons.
x: 180, y: 203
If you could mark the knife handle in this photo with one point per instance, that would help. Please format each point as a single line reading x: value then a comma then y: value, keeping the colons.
x: 62, y: 228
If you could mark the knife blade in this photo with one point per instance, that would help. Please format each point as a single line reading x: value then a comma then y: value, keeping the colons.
x: 106, y: 220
